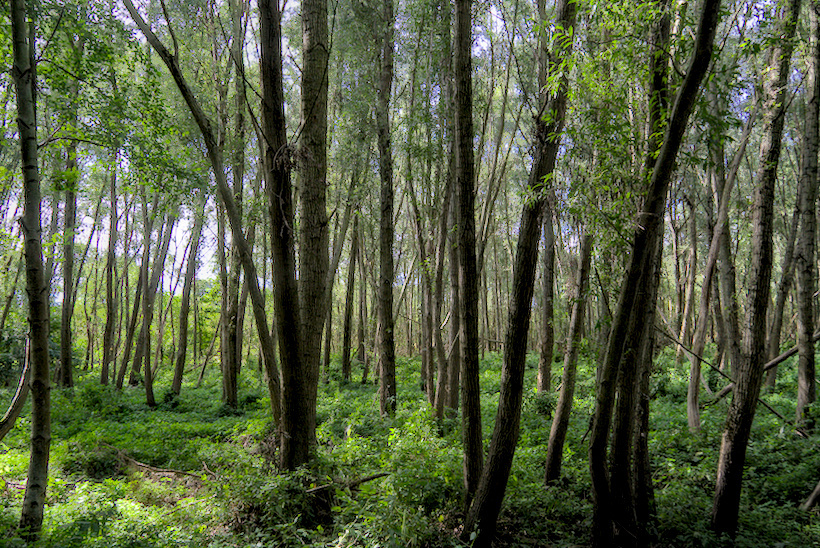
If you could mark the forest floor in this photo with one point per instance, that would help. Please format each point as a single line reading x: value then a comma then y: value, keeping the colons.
x: 192, y: 473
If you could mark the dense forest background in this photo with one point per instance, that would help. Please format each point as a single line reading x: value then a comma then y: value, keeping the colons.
x: 377, y: 273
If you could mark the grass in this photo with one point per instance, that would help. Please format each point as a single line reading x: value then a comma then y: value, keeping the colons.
x: 192, y: 473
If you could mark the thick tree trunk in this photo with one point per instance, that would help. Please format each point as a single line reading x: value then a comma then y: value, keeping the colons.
x: 633, y: 302
x: 482, y: 514
x: 749, y: 375
x: 387, y: 350
x: 560, y: 422
x: 807, y: 200
x: 467, y: 273
x: 23, y: 73
x: 299, y: 410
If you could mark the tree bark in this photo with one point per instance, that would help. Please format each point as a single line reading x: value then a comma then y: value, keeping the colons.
x: 347, y: 330
x: 23, y: 73
x: 726, y: 505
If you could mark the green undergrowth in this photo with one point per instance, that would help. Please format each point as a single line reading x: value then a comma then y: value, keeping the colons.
x: 194, y: 473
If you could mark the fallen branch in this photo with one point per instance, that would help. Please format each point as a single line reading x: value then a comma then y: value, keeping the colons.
x: 812, y: 500
x: 124, y: 457
x: 349, y: 485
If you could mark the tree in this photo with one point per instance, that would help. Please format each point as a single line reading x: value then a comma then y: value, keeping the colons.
x: 387, y: 350
x: 632, y: 303
x: 560, y: 421
x: 23, y: 72
x: 749, y: 374
x: 805, y: 267
x: 486, y: 505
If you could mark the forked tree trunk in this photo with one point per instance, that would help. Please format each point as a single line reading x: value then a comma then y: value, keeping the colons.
x: 633, y: 302
x: 217, y: 165
x: 749, y: 375
x: 560, y: 422
x: 23, y: 73
x: 185, y: 299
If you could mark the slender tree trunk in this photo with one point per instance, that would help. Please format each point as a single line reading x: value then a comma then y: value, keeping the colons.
x: 347, y: 330
x: 132, y: 327
x: 23, y: 73
x: 560, y: 421
x: 65, y: 375
x: 110, y: 278
x: 483, y: 511
x: 185, y: 299
x: 805, y: 266
x: 633, y: 302
x: 387, y: 359
x: 784, y: 286
x: 749, y: 375
x: 547, y: 329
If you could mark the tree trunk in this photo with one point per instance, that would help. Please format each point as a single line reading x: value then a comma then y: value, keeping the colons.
x: 65, y: 377
x: 483, y: 511
x: 387, y: 359
x: 109, y: 357
x: 749, y: 375
x: 547, y: 328
x: 807, y: 199
x: 560, y: 421
x: 23, y: 73
x: 185, y: 300
x: 467, y: 273
x: 633, y: 302
x: 347, y: 330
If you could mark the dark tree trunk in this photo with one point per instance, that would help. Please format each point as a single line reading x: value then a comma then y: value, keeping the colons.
x: 110, y: 279
x: 387, y: 358
x: 632, y: 302
x: 467, y: 272
x: 347, y: 330
x: 23, y: 73
x: 483, y: 511
x: 749, y: 375
x: 547, y: 327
